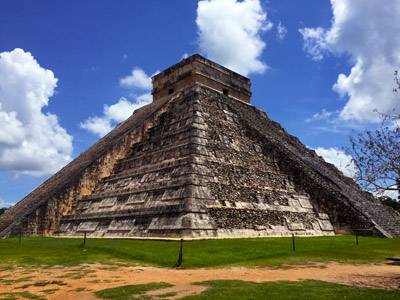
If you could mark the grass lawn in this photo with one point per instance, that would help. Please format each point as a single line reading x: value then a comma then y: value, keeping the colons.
x: 282, y: 290
x: 206, y: 253
x: 130, y: 291
x: 278, y: 290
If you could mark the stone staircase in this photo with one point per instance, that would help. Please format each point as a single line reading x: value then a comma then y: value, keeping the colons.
x: 386, y: 217
x: 323, y: 176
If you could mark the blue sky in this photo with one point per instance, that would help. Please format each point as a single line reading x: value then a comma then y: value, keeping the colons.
x: 91, y: 45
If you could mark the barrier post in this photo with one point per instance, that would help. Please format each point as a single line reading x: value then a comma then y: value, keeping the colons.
x: 180, y: 257
x: 293, y: 243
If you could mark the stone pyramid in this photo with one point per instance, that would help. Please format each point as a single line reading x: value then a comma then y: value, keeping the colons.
x: 200, y: 162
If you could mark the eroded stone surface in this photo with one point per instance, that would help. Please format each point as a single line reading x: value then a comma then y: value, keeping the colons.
x: 198, y: 163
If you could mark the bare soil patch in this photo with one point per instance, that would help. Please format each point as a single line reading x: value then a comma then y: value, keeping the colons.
x: 80, y: 281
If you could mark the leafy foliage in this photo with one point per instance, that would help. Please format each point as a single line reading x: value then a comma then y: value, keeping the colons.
x: 376, y: 155
x: 390, y: 202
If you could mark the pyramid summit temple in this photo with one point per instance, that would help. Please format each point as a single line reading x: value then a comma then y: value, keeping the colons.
x: 198, y: 162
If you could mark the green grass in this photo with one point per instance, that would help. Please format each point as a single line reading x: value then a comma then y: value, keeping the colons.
x: 19, y: 295
x: 6, y: 281
x: 49, y: 291
x: 207, y: 253
x: 130, y: 291
x: 284, y: 290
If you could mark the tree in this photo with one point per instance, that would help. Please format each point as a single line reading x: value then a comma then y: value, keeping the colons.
x: 390, y: 202
x: 396, y: 82
x: 2, y: 210
x: 376, y: 153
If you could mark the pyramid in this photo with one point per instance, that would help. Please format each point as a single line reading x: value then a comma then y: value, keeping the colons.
x: 199, y: 162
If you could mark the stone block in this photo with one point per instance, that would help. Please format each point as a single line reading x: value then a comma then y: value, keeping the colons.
x: 325, y: 225
x: 323, y: 216
x: 295, y: 226
x: 122, y: 225
x: 87, y: 226
x: 108, y: 202
x: 304, y: 202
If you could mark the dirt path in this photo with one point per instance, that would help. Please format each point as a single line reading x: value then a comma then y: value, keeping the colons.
x: 79, y: 282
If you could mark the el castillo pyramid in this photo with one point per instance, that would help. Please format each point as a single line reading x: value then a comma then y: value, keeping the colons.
x: 200, y: 162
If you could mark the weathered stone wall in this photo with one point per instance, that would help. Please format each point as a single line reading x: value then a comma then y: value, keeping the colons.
x: 197, y: 70
x: 154, y: 189
x: 198, y: 163
x: 252, y: 194
x: 331, y: 192
x: 41, y: 210
x: 197, y: 173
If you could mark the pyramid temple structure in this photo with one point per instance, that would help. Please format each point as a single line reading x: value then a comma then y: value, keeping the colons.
x: 199, y: 162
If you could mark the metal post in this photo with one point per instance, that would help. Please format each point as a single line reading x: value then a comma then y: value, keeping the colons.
x: 180, y: 258
x: 84, y: 239
x: 356, y: 238
x: 20, y: 237
x: 293, y: 243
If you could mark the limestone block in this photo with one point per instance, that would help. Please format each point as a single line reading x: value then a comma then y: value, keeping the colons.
x: 278, y: 229
x: 259, y: 227
x: 294, y: 203
x: 87, y: 226
x: 108, y: 202
x: 135, y: 199
x: 121, y: 225
x: 325, y: 225
x: 64, y: 227
x: 304, y: 202
x: 83, y: 205
x: 323, y: 216
x: 295, y: 226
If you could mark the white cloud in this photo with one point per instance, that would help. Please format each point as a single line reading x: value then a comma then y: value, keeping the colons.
x: 145, y: 98
x: 114, y: 114
x: 281, y: 31
x: 368, y: 31
x: 314, y: 42
x: 5, y: 203
x: 391, y: 194
x: 320, y: 116
x: 137, y: 79
x: 123, y: 108
x: 230, y: 33
x: 31, y: 142
x: 97, y: 125
x: 339, y: 158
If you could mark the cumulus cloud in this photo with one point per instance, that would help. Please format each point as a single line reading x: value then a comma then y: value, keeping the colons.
x: 323, y: 115
x: 97, y: 125
x: 229, y: 32
x: 339, y: 158
x: 123, y: 108
x: 114, y: 114
x: 31, y: 141
x: 5, y: 203
x: 391, y: 194
x: 281, y: 31
x: 314, y: 42
x: 368, y: 32
x: 137, y: 79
